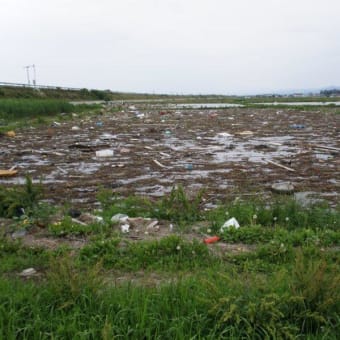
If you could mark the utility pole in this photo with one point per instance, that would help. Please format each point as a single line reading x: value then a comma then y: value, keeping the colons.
x: 28, y: 74
x: 34, y: 76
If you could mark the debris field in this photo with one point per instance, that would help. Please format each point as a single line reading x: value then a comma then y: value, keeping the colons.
x: 141, y: 150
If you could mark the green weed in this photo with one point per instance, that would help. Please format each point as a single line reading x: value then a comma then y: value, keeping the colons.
x: 16, y: 257
x: 17, y: 201
x: 67, y: 227
x: 170, y: 253
x: 176, y: 206
x: 284, y: 212
x: 69, y: 282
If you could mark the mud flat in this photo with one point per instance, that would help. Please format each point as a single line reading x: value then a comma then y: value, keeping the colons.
x: 229, y: 152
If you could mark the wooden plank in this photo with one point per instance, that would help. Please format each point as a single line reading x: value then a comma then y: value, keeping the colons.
x: 8, y: 173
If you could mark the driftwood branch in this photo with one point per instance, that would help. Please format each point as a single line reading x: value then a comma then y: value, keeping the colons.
x: 326, y: 147
x: 279, y: 165
x: 159, y: 164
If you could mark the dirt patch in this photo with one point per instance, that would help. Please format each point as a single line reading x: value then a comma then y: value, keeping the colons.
x: 222, y: 248
x: 51, y: 243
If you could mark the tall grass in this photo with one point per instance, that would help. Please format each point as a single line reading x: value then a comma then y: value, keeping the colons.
x: 299, y: 303
x: 27, y: 108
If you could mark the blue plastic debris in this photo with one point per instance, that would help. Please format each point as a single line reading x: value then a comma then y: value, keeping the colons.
x: 297, y: 126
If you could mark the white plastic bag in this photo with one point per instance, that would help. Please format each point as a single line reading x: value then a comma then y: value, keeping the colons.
x: 232, y: 222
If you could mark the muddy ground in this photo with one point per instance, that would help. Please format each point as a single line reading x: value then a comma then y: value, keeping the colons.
x: 225, y: 151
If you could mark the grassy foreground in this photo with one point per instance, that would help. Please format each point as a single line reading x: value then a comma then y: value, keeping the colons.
x: 218, y: 303
x: 282, y: 281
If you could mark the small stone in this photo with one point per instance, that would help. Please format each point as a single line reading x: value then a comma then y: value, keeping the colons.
x: 19, y: 233
x: 283, y: 188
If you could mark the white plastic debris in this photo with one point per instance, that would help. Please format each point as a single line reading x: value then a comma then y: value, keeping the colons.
x: 75, y: 220
x: 104, y: 153
x: 125, y: 228
x: 140, y: 115
x: 224, y: 135
x: 28, y: 272
x: 75, y: 128
x: 89, y: 218
x: 119, y: 218
x: 99, y: 219
x: 246, y: 133
x: 152, y: 225
x: 232, y: 222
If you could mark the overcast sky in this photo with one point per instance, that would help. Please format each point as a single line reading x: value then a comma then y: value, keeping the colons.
x: 172, y: 46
